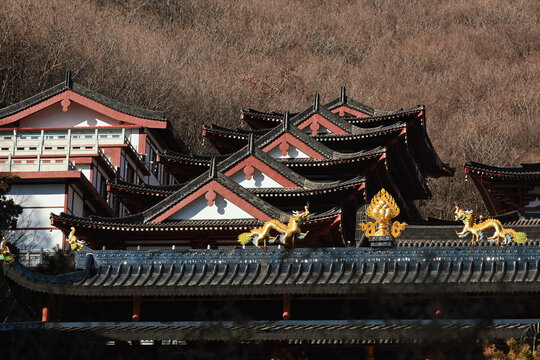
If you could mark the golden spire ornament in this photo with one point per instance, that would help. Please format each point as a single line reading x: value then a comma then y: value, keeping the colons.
x: 382, y: 209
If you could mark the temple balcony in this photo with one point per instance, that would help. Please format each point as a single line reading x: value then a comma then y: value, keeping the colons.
x: 60, y: 142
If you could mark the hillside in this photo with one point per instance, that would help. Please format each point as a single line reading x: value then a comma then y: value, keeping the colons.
x: 474, y: 64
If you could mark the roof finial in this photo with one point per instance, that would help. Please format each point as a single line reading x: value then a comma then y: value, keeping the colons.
x: 212, y: 173
x: 250, y: 144
x: 316, y: 103
x: 343, y: 97
x: 68, y: 79
x: 286, y: 121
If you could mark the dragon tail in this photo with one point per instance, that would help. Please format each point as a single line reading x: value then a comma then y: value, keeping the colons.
x: 244, y: 238
x: 520, y: 237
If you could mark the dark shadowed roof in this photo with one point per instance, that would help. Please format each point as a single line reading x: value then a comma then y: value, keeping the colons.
x: 316, y: 332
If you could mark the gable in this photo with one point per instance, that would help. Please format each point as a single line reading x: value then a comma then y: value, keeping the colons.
x: 250, y: 177
x: 253, y: 173
x: 316, y: 124
x: 213, y: 201
x: 75, y: 116
x: 221, y: 208
x: 66, y: 99
x: 288, y: 146
x: 345, y: 110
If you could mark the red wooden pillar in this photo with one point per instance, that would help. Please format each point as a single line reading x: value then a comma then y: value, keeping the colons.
x: 45, y: 314
x: 370, y: 353
x: 286, y: 307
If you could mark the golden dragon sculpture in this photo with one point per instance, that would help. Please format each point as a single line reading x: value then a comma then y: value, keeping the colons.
x: 5, y: 253
x: 477, y: 229
x: 285, y: 233
x: 73, y: 241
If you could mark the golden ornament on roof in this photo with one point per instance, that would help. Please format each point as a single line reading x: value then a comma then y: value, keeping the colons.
x: 73, y: 241
x: 382, y: 209
x: 5, y: 253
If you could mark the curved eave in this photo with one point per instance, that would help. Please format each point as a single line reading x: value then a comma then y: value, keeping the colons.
x: 65, y: 222
x: 323, y: 271
x: 431, y: 164
x: 330, y: 333
x: 259, y: 120
x: 525, y: 173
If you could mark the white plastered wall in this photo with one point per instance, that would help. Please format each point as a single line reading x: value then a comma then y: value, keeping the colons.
x: 34, y: 229
x: 292, y: 153
x: 258, y: 180
x: 76, y: 116
x: 199, y: 210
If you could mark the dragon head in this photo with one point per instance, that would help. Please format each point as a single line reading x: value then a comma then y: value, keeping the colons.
x: 462, y: 214
x: 303, y: 216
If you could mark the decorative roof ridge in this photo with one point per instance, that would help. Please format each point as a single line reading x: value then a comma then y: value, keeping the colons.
x: 529, y: 169
x: 90, y: 94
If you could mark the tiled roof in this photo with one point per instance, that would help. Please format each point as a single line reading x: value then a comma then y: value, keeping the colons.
x: 90, y: 94
x: 526, y: 170
x: 137, y: 223
x: 315, y: 332
x: 144, y: 188
x: 306, y: 271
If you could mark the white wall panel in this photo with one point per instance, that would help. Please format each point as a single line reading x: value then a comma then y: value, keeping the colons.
x: 38, y: 194
x: 292, y: 153
x: 199, y: 210
x: 76, y: 116
x: 258, y: 180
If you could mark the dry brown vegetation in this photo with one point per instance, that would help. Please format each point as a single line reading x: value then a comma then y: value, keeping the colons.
x: 474, y: 64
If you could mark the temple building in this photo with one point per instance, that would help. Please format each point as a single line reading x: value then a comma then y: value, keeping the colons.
x: 171, y: 272
x: 505, y: 190
x: 64, y: 144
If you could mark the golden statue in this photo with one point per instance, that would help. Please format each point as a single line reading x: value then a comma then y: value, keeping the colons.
x: 382, y: 209
x: 5, y: 253
x: 73, y: 241
x: 477, y: 230
x: 288, y: 232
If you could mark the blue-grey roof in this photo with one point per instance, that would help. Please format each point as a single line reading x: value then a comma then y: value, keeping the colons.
x: 323, y: 271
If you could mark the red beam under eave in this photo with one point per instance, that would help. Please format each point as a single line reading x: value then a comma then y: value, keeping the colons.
x: 28, y: 175
x: 84, y: 101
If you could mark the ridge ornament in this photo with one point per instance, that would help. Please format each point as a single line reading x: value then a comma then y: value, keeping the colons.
x: 382, y: 209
